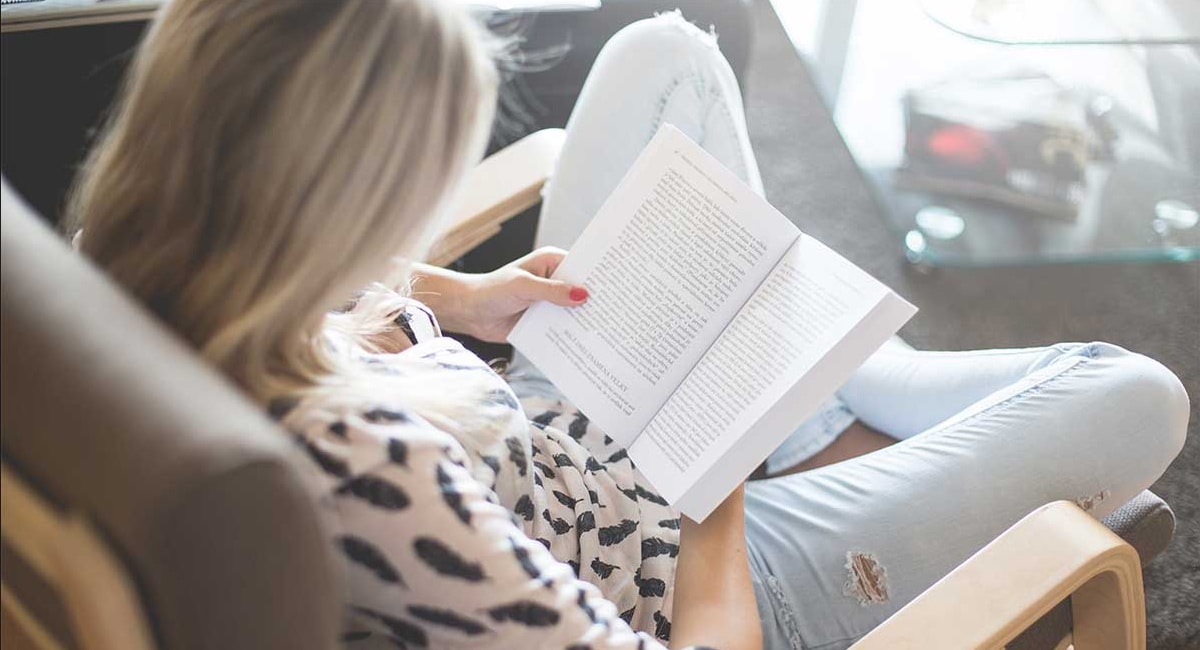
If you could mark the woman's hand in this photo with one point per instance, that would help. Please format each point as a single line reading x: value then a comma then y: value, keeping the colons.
x: 488, y: 305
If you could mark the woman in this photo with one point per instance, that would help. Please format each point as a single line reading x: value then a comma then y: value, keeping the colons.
x: 271, y: 158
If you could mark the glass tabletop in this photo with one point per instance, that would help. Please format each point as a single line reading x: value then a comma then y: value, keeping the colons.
x: 1070, y: 22
x: 993, y: 134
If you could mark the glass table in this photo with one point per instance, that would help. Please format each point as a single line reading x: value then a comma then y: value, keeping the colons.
x: 998, y: 132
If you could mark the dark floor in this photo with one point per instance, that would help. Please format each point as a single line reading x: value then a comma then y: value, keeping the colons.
x: 1150, y: 308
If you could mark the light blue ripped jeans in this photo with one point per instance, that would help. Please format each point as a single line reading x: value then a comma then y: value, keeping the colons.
x: 985, y: 437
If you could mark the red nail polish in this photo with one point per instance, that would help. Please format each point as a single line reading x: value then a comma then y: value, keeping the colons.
x: 579, y: 294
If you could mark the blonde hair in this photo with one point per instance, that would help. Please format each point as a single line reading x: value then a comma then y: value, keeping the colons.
x: 267, y: 158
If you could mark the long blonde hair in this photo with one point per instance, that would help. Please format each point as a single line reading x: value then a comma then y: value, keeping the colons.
x: 269, y: 157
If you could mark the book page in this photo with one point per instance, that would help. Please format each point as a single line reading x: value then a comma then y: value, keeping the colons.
x: 809, y: 306
x: 669, y: 259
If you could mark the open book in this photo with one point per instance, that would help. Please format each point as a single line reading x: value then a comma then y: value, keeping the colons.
x: 714, y: 326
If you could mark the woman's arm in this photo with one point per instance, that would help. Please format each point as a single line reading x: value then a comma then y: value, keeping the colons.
x: 488, y: 305
x: 444, y: 291
x: 714, y: 599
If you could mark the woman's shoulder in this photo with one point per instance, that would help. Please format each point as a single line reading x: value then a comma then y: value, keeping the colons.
x: 350, y: 440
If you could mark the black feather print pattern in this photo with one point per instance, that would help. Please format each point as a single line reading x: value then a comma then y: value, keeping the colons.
x: 563, y: 460
x: 610, y: 535
x: 620, y: 455
x: 447, y: 618
x: 446, y: 561
x: 544, y: 542
x: 338, y: 429
x: 603, y: 569
x: 565, y: 499
x: 534, y: 450
x: 403, y: 320
x: 401, y: 630
x: 630, y: 492
x: 384, y: 415
x: 329, y: 463
x: 543, y: 420
x: 648, y: 587
x: 574, y: 567
x: 492, y: 462
x: 452, y: 457
x: 524, y: 507
x: 544, y: 469
x: 376, y: 491
x: 516, y: 454
x: 662, y: 626
x: 364, y: 554
x: 627, y: 615
x: 355, y: 635
x: 398, y: 452
x: 537, y: 479
x: 585, y: 522
x: 579, y: 646
x: 578, y: 427
x: 650, y: 496
x: 526, y: 562
x: 561, y: 526
x: 503, y: 397
x: 594, y: 498
x: 525, y: 612
x: 669, y: 524
x: 452, y: 496
x: 587, y: 608
x: 593, y: 465
x: 654, y: 547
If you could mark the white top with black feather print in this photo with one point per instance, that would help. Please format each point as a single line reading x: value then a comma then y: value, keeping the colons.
x: 532, y: 532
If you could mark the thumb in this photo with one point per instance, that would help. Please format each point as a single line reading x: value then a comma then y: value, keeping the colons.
x: 558, y: 292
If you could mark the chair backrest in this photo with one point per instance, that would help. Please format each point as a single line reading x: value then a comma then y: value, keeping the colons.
x: 121, y: 442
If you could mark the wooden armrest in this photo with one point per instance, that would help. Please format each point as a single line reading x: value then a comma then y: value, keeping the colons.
x: 504, y: 185
x: 1054, y: 552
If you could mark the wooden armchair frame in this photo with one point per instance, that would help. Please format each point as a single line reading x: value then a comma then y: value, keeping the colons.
x: 1055, y: 552
x: 504, y: 185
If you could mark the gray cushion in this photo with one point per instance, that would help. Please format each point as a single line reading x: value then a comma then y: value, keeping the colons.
x: 1146, y: 522
x: 197, y: 491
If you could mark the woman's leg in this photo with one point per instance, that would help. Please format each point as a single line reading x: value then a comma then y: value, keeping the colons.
x: 838, y: 549
x: 662, y: 69
x: 658, y: 70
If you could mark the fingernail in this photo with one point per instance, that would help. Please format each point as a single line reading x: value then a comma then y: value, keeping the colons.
x: 578, y: 294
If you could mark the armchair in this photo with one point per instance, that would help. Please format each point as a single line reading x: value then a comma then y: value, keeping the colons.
x: 146, y: 502
x: 1055, y: 570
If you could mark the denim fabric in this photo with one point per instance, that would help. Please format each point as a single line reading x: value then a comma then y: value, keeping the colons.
x: 987, y: 437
